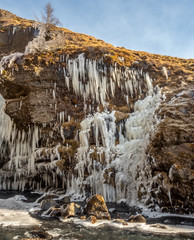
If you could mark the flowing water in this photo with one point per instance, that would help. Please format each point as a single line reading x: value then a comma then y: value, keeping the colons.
x: 58, y: 230
x: 77, y: 232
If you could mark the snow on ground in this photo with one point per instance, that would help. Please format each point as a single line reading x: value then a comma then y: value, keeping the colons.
x: 14, y: 213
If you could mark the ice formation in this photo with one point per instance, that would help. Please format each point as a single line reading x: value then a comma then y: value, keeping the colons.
x: 92, y: 79
x: 20, y: 144
x: 114, y: 165
x: 7, y: 61
x: 119, y: 162
x: 39, y: 42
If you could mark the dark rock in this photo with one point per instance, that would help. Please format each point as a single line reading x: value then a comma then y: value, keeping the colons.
x: 65, y: 199
x: 135, y: 219
x: 112, y: 210
x: 53, y: 212
x: 48, y: 203
x: 164, y: 209
x: 96, y: 206
x: 39, y: 235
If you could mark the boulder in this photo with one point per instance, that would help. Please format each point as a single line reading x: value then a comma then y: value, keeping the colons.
x: 96, y: 206
x: 53, y: 212
x: 70, y: 210
x: 48, y: 203
x: 64, y: 199
x: 137, y: 219
x: 92, y: 219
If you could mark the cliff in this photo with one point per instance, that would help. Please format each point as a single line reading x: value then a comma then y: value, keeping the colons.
x: 80, y: 114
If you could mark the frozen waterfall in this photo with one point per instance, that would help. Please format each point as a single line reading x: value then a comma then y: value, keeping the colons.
x: 114, y: 164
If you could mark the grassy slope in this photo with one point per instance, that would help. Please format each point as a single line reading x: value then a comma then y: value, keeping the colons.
x: 76, y: 43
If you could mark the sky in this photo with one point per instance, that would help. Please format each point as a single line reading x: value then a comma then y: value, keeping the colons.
x: 157, y: 26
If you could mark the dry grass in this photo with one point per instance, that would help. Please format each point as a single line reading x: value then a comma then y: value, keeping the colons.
x: 76, y: 43
x: 7, y: 19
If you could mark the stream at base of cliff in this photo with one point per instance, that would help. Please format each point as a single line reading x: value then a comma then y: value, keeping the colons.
x: 16, y: 223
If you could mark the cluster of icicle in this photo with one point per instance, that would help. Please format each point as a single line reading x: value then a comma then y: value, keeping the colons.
x: 92, y: 79
x: 24, y: 157
x: 122, y: 160
x: 20, y: 145
x: 120, y: 145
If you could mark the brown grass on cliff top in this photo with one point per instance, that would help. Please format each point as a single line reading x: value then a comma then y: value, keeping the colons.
x: 7, y: 19
x: 76, y: 43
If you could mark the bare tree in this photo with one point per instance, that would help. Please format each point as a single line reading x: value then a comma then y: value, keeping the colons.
x: 47, y: 38
x: 47, y: 15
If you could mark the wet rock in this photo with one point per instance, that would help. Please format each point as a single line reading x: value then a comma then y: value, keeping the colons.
x: 125, y: 223
x: 171, y: 150
x: 157, y: 225
x: 40, y: 235
x: 96, y: 206
x: 179, y: 173
x: 53, y: 212
x: 135, y: 219
x: 92, y: 219
x: 70, y: 210
x: 122, y: 221
x: 83, y: 217
x: 65, y: 199
x: 164, y: 209
x: 112, y: 210
x: 48, y: 203
x: 46, y: 196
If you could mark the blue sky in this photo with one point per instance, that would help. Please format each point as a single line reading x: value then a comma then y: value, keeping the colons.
x: 157, y: 26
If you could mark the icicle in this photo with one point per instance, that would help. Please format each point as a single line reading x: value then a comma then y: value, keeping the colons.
x: 149, y: 82
x: 124, y: 157
x: 165, y: 72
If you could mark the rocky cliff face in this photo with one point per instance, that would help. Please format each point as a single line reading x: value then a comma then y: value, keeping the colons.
x: 87, y: 117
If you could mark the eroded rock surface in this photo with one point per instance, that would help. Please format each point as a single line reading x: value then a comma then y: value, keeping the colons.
x: 171, y: 153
